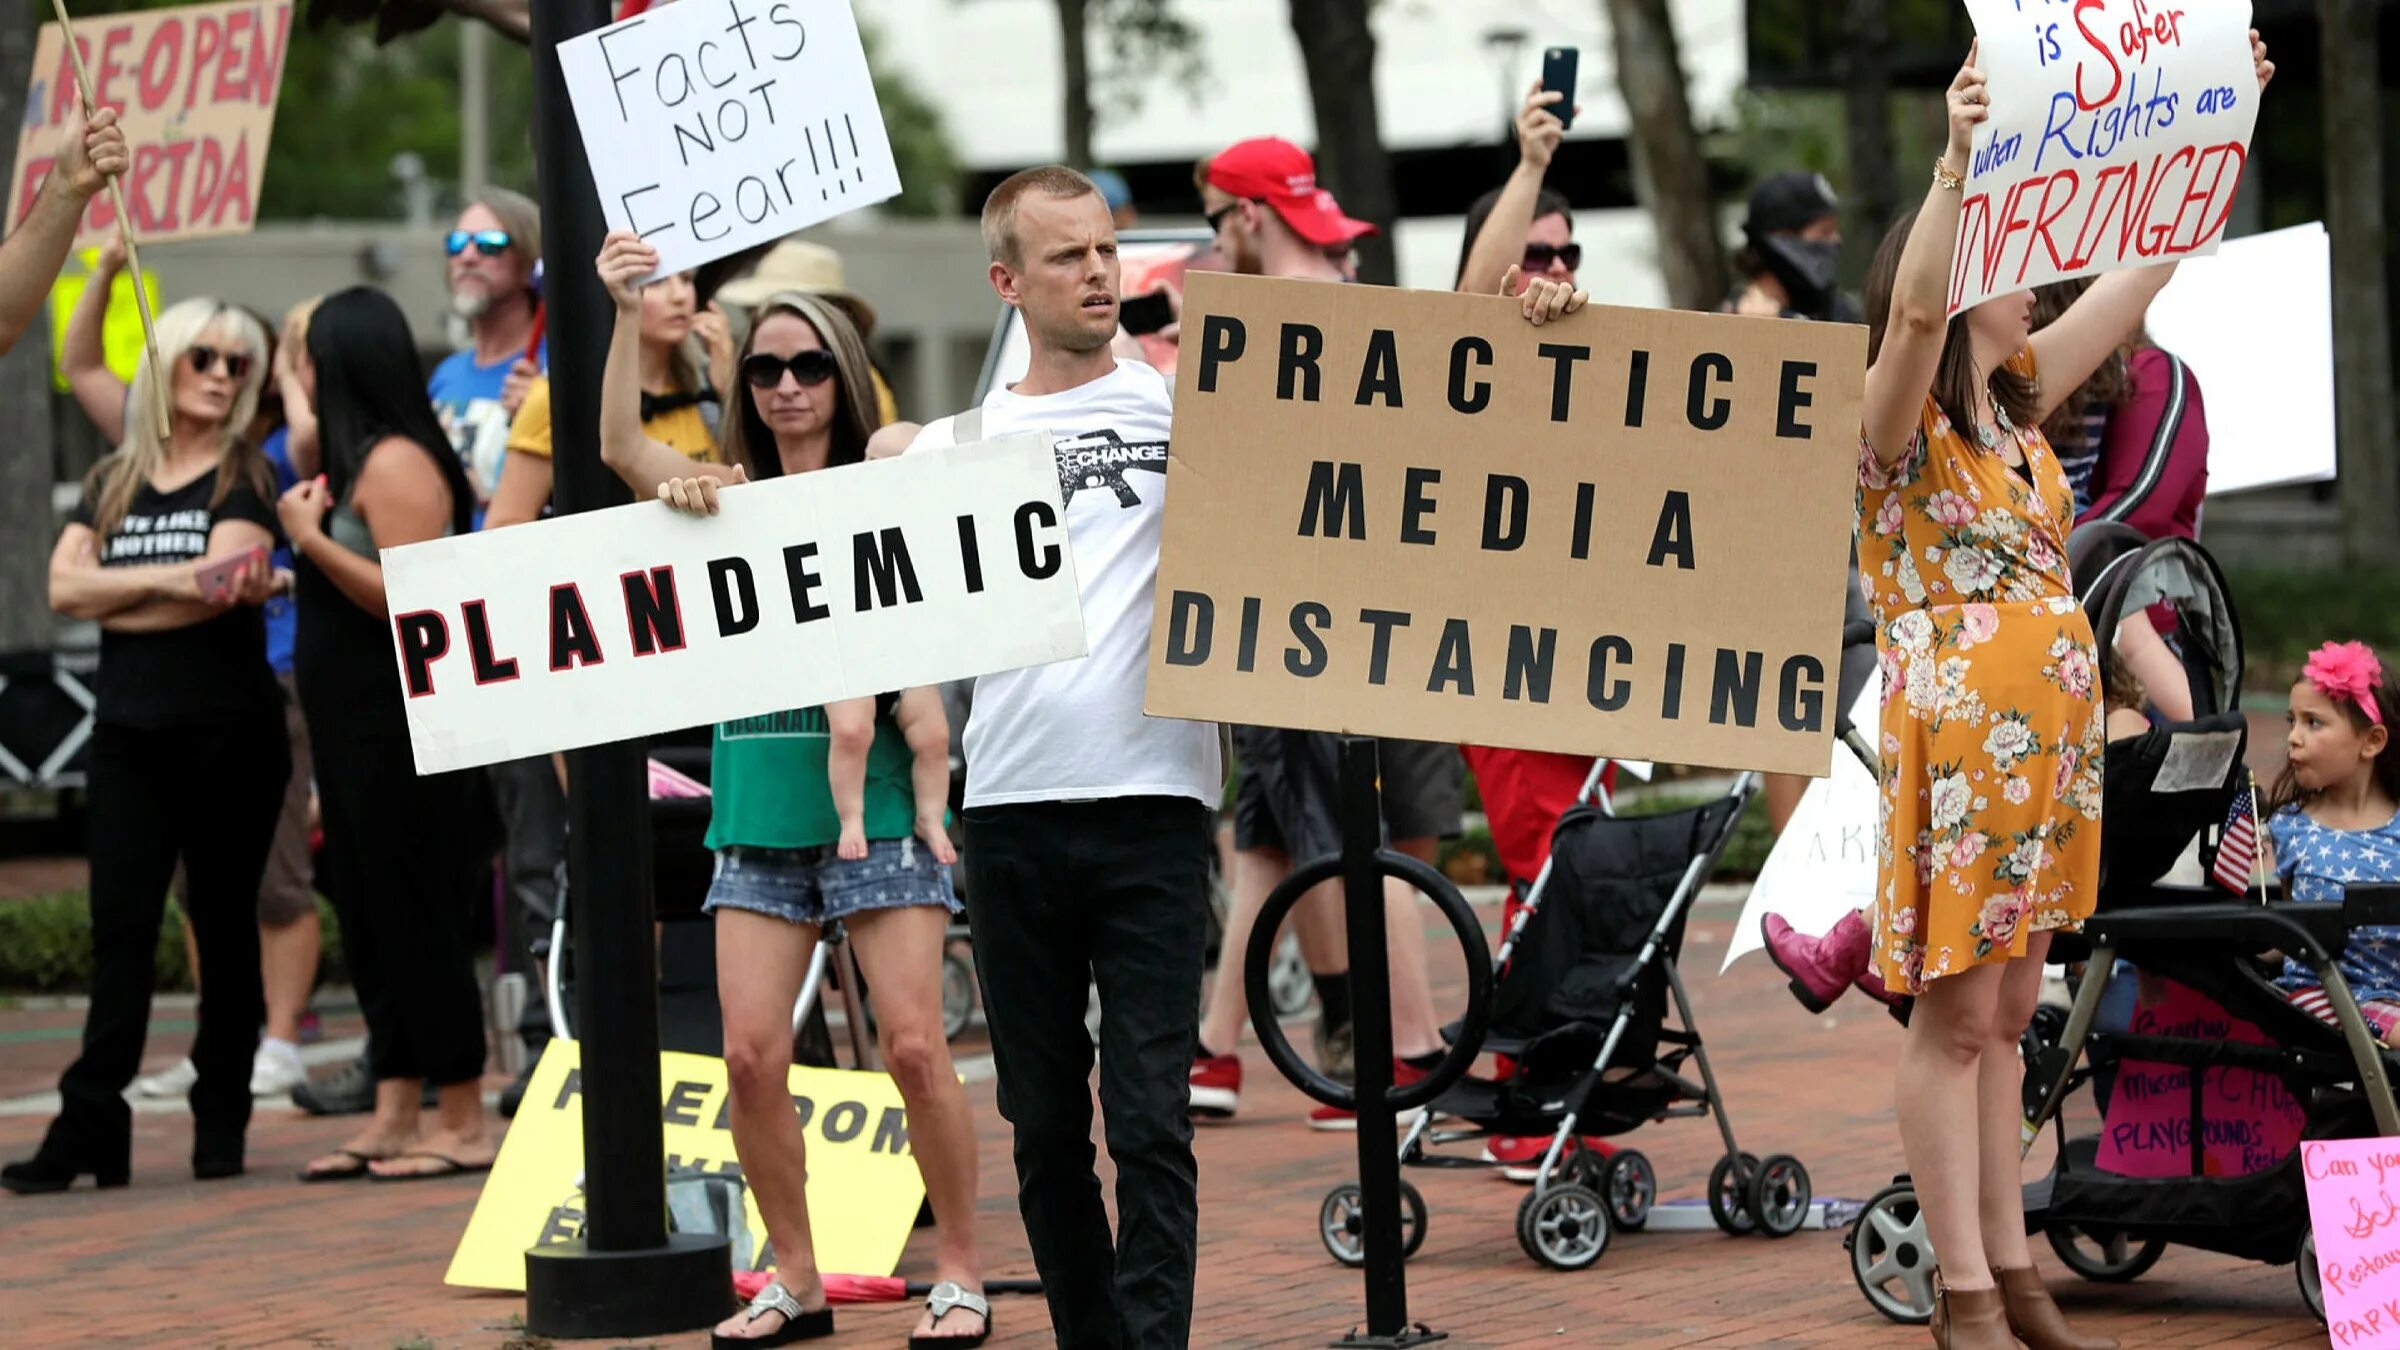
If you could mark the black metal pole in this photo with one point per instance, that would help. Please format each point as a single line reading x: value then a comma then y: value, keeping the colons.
x: 626, y: 1276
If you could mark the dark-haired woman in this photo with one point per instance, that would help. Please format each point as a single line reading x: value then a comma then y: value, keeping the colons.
x: 188, y: 756
x: 399, y: 848
x: 806, y: 404
x: 1992, y: 720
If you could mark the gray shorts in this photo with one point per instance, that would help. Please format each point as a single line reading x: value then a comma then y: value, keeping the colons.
x: 815, y: 887
x: 1424, y: 789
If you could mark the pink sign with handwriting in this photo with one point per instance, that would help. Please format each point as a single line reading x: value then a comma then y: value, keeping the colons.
x: 2354, y: 1205
x: 2248, y: 1122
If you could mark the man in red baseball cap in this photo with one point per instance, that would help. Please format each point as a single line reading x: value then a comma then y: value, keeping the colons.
x: 1263, y: 201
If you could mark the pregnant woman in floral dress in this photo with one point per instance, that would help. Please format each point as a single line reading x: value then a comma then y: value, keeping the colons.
x: 1992, y: 725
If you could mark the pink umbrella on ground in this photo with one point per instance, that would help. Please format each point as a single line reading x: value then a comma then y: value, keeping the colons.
x: 873, y: 1288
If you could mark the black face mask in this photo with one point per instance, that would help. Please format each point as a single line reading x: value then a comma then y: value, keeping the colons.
x: 1806, y: 267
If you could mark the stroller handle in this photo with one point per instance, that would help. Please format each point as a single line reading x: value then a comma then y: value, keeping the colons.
x: 1259, y: 960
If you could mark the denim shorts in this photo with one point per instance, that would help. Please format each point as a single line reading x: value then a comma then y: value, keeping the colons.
x: 815, y: 886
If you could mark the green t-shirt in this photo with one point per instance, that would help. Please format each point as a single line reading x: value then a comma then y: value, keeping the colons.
x: 767, y: 779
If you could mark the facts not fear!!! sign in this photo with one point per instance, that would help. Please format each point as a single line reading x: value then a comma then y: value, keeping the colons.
x: 2117, y: 136
x: 716, y: 125
x: 1403, y: 513
x: 844, y: 583
x: 194, y: 90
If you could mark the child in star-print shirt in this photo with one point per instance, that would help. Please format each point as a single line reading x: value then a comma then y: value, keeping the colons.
x: 2336, y: 820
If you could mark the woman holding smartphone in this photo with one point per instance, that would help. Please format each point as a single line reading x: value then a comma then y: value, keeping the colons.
x: 399, y: 847
x: 167, y: 552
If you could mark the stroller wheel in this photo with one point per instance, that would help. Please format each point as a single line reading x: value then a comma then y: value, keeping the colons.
x: 2312, y: 1279
x: 1891, y: 1258
x: 1565, y: 1227
x: 1780, y: 1195
x: 1630, y: 1185
x: 2104, y: 1255
x: 958, y: 994
x: 1342, y: 1223
x: 1729, y: 1193
x: 1288, y: 981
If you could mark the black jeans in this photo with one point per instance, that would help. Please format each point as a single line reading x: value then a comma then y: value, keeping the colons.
x: 1063, y: 894
x: 400, y: 857
x: 533, y: 852
x: 208, y: 795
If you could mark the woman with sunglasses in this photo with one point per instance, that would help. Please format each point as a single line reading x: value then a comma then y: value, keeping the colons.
x: 686, y: 356
x: 808, y: 405
x: 1522, y: 223
x: 400, y: 849
x: 167, y: 552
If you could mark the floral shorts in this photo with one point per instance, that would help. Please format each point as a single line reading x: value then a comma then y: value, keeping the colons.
x: 814, y: 886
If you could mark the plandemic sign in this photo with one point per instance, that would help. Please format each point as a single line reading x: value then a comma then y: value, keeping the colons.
x: 714, y: 125
x: 1412, y: 514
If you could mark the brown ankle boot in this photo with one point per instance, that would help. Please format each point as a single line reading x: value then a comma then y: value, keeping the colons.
x: 2035, y: 1319
x: 1969, y: 1319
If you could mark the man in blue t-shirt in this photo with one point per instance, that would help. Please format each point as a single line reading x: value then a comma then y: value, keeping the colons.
x: 492, y: 251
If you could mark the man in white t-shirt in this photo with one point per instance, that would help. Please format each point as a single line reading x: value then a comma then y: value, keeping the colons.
x: 1087, y: 823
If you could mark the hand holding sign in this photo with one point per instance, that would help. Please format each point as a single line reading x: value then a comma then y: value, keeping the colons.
x: 624, y: 260
x: 92, y: 152
x: 1969, y: 101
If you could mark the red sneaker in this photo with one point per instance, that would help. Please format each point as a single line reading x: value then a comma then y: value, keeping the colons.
x: 1216, y: 1086
x: 1520, y: 1157
x: 1334, y: 1118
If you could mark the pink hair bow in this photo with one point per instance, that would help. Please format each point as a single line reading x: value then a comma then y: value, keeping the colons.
x: 2347, y: 670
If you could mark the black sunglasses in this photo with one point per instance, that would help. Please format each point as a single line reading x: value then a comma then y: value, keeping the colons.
x: 764, y: 370
x: 1216, y: 218
x: 1538, y: 256
x: 204, y: 359
x: 489, y: 243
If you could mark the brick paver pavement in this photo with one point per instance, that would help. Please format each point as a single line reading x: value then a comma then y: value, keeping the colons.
x: 263, y: 1261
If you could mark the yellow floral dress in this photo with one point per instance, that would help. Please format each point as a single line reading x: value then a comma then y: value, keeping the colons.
x: 1992, y: 722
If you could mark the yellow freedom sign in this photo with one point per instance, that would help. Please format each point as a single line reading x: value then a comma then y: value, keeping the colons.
x: 120, y: 328
x: 863, y: 1187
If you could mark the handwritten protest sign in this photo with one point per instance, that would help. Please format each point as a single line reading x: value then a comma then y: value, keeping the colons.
x: 195, y: 91
x: 713, y: 125
x: 1822, y: 866
x: 845, y: 583
x: 2248, y: 1120
x: 2354, y: 1210
x: 1408, y: 513
x: 863, y: 1183
x: 2117, y: 136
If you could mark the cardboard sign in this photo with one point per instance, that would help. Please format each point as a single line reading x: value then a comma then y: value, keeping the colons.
x: 1404, y: 513
x: 2248, y: 1121
x: 195, y: 91
x: 1823, y: 864
x: 2117, y: 136
x: 2354, y: 1210
x: 863, y: 1184
x: 844, y: 583
x: 713, y: 125
x: 2266, y: 383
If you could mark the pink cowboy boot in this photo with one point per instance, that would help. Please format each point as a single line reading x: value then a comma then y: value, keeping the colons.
x: 1823, y: 968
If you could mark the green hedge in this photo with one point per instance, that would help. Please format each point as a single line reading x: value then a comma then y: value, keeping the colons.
x: 2286, y: 612
x: 46, y: 946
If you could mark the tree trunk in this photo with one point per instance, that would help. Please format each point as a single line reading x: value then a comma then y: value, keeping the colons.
x: 1338, y: 50
x: 2369, y: 488
x: 1873, y: 199
x: 26, y: 451
x: 1074, y: 36
x: 1670, y: 172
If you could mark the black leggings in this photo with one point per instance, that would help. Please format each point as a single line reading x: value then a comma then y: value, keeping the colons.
x: 208, y: 795
x: 402, y: 873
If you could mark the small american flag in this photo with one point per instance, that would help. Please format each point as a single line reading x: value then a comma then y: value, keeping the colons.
x: 2237, y: 851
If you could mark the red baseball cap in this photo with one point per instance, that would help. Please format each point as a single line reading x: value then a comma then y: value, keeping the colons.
x: 1281, y: 174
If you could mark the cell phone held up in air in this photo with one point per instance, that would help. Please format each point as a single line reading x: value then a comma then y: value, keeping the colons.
x: 1145, y: 314
x: 1558, y: 75
x: 221, y: 579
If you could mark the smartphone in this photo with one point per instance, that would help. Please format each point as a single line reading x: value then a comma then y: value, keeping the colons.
x: 1145, y: 314
x: 1558, y: 74
x: 219, y: 580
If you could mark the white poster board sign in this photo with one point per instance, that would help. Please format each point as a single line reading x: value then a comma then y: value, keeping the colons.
x: 716, y: 125
x: 2266, y: 381
x: 1823, y: 864
x: 845, y: 583
x: 2117, y: 136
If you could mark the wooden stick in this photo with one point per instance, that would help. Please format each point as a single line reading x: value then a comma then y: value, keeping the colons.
x: 161, y: 378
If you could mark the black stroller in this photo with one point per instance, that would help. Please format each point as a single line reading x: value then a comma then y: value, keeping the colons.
x: 2162, y: 791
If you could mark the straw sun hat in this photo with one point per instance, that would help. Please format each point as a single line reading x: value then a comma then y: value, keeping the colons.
x: 799, y: 265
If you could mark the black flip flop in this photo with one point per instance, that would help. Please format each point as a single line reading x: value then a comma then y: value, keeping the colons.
x: 797, y: 1326
x: 946, y: 1298
x: 450, y: 1167
x: 351, y: 1173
